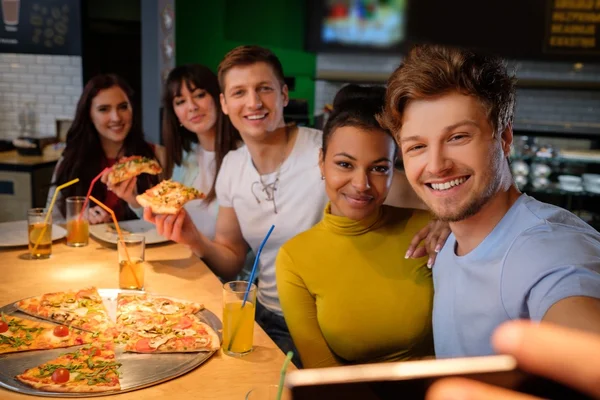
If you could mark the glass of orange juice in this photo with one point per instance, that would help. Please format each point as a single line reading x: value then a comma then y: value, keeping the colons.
x: 238, y: 321
x: 78, y: 232
x: 131, y: 262
x: 39, y: 231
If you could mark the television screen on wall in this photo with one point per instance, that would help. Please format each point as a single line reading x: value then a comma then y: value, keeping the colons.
x: 356, y: 25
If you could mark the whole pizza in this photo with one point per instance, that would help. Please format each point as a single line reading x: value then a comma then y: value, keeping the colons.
x: 144, y: 324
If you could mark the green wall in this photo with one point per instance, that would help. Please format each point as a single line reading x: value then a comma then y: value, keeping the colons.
x: 207, y: 29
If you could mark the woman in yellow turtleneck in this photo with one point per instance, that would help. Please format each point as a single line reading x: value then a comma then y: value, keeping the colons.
x: 348, y: 294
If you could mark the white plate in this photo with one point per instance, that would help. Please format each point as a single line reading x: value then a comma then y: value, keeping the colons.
x: 137, y: 226
x: 15, y: 233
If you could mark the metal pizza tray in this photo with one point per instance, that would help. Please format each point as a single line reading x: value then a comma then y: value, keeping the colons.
x: 137, y: 370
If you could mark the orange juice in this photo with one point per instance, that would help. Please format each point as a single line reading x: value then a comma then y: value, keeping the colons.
x: 238, y: 323
x: 77, y: 232
x: 131, y: 274
x: 44, y: 248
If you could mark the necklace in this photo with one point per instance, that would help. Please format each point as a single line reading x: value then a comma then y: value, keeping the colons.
x: 269, y: 189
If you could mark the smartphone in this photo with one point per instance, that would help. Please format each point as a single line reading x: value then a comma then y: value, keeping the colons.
x: 412, y: 379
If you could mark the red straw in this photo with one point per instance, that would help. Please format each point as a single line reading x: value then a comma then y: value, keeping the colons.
x: 87, y: 197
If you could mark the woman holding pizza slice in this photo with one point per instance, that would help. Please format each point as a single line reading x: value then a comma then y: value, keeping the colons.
x: 197, y: 136
x: 273, y: 180
x: 105, y: 128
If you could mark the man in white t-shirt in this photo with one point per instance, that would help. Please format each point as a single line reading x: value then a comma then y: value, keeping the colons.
x: 273, y: 180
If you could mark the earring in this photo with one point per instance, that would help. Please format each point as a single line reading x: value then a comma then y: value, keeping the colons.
x: 322, y: 177
x: 180, y: 124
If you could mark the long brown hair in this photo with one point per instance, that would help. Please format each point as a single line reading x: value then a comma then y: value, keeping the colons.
x: 83, y: 153
x: 177, y: 138
x: 432, y: 70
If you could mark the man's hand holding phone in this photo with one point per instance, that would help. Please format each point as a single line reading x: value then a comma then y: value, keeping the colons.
x: 561, y: 354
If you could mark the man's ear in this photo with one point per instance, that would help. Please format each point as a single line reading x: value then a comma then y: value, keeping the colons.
x: 223, y: 104
x: 286, y: 95
x: 321, y: 162
x: 506, y: 139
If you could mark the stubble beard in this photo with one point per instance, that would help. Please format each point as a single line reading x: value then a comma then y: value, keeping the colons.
x: 492, y: 180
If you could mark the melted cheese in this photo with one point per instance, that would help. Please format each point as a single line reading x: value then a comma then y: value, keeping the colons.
x: 168, y: 309
x: 81, y: 311
x: 161, y: 340
x: 52, y: 338
x: 186, y: 332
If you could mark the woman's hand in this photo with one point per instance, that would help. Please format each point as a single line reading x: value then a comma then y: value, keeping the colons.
x: 565, y: 355
x: 126, y: 190
x: 97, y: 215
x: 177, y: 227
x: 434, y: 236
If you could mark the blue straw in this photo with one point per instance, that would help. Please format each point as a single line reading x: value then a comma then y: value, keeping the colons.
x: 255, y: 264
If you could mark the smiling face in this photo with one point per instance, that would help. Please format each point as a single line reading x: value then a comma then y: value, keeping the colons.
x: 358, y: 170
x: 254, y: 99
x: 195, y: 109
x: 111, y: 114
x: 453, y: 161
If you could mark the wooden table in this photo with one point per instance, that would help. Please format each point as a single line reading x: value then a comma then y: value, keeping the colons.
x: 172, y: 270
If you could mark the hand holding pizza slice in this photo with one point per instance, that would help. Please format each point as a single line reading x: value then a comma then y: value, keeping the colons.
x: 130, y: 167
x: 168, y: 197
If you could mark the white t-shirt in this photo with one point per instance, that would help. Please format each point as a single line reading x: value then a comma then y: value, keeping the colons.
x: 198, y: 170
x: 299, y: 197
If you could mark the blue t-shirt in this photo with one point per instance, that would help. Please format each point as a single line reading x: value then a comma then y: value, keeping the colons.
x: 537, y: 255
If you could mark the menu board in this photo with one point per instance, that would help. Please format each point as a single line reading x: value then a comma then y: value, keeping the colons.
x: 573, y: 27
x: 41, y: 27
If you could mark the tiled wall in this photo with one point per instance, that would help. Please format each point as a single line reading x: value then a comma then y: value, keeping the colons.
x: 48, y: 87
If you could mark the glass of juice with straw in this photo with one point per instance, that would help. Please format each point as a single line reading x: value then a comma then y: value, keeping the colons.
x: 39, y: 231
x: 77, y: 222
x: 131, y: 261
x: 238, y: 320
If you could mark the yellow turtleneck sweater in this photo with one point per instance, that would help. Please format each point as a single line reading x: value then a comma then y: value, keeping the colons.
x: 348, y: 294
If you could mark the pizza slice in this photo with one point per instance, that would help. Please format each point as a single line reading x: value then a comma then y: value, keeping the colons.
x: 129, y: 167
x: 92, y: 368
x: 145, y: 303
x: 163, y: 334
x: 83, y: 309
x: 24, y: 334
x: 168, y: 197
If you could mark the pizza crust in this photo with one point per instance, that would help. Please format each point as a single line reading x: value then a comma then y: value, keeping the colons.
x: 65, y: 387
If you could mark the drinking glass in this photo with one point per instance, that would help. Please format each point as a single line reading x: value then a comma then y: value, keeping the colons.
x: 131, y: 262
x: 78, y: 232
x: 39, y: 231
x: 238, y: 321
